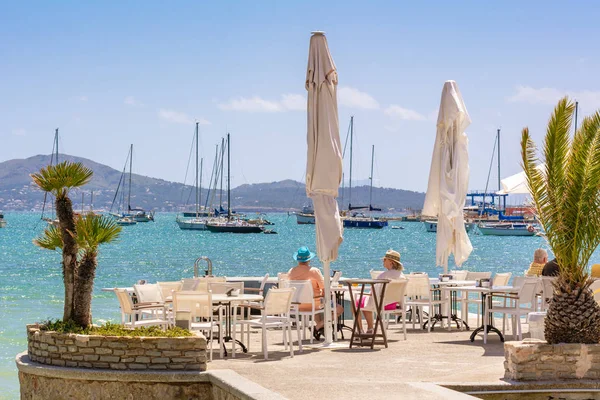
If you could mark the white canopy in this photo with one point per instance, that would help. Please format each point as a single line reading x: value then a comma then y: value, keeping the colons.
x: 324, y: 158
x: 449, y: 178
x: 517, y: 183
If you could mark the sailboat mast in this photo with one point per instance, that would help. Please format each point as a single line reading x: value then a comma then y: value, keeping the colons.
x: 221, y: 173
x: 371, y: 177
x: 350, y: 181
x: 56, y: 143
x: 196, y: 138
x: 130, y: 167
x: 228, y: 178
x: 200, y: 185
x: 499, y: 183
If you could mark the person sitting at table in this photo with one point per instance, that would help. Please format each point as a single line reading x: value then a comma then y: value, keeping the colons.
x: 540, y: 258
x: 393, y: 270
x: 304, y: 272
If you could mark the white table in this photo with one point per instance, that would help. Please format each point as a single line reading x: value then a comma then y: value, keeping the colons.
x: 486, y: 297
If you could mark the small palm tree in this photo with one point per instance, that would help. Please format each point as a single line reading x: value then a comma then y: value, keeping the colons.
x: 92, y: 231
x: 566, y: 193
x: 59, y: 179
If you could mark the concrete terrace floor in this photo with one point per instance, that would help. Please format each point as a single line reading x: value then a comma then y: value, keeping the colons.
x: 362, y: 373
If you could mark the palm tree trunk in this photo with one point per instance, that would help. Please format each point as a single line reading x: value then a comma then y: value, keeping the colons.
x: 84, y: 286
x: 66, y: 220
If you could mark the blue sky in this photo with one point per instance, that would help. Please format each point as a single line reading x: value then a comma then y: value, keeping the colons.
x: 113, y: 73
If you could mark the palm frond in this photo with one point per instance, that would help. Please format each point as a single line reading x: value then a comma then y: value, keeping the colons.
x: 60, y: 178
x: 94, y: 230
x: 50, y: 239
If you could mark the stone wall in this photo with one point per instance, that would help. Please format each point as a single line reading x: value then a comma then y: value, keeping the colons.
x: 537, y: 360
x: 116, y: 352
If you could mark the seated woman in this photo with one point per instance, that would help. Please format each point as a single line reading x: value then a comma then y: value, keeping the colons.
x: 540, y: 258
x: 304, y: 272
x: 393, y: 270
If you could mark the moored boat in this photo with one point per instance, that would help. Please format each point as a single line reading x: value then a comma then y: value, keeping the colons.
x: 236, y: 226
x: 2, y: 220
x: 306, y: 216
x: 508, y: 229
x: 125, y: 221
x: 431, y: 226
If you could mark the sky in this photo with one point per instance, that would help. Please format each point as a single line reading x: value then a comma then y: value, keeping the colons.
x: 109, y: 74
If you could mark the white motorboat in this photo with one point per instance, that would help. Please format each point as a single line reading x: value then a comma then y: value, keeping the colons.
x: 508, y: 229
x: 2, y: 220
x: 125, y: 221
x: 431, y: 226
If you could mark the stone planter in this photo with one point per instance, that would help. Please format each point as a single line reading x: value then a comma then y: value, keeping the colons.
x: 116, y: 352
x: 536, y: 360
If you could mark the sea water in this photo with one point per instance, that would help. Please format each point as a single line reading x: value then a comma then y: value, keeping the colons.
x: 31, y: 288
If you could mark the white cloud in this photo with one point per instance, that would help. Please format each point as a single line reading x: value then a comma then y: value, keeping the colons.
x: 19, y: 132
x: 180, y: 118
x: 294, y: 102
x: 131, y: 101
x: 405, y: 114
x: 550, y: 96
x: 354, y: 98
x: 288, y: 102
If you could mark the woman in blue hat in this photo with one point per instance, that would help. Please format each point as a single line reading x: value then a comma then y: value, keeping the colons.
x: 304, y: 272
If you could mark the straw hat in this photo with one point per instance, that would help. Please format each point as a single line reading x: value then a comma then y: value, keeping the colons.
x: 394, y: 256
x: 303, y: 254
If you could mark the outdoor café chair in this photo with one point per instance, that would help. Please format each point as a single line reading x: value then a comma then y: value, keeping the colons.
x: 395, y: 292
x: 274, y: 314
x: 374, y: 274
x: 459, y: 275
x: 421, y: 295
x: 167, y: 288
x: 526, y: 296
x: 150, y: 293
x: 547, y: 291
x: 304, y: 294
x: 132, y: 315
x: 466, y: 300
x: 260, y: 291
x: 197, y: 309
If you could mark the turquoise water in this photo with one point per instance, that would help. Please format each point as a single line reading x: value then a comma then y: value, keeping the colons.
x: 31, y: 282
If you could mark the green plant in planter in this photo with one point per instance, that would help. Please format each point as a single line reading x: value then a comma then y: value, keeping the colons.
x: 566, y: 193
x: 77, y: 236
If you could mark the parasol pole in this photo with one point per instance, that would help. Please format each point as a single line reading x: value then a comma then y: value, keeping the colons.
x: 327, y: 318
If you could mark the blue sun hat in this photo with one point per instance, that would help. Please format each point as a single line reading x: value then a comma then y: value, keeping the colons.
x: 303, y: 254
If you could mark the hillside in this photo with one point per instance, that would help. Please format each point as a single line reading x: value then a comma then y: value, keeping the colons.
x: 17, y: 192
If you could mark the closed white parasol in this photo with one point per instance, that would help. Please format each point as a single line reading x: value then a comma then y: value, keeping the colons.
x: 449, y: 178
x: 517, y: 183
x: 324, y: 158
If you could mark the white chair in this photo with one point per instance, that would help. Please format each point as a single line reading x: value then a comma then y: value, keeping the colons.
x: 274, y: 314
x: 148, y: 294
x: 249, y: 306
x: 224, y: 287
x: 132, y: 315
x: 547, y: 291
x: 466, y: 300
x: 395, y: 292
x: 375, y: 274
x: 281, y: 278
x: 501, y: 278
x: 188, y: 284
x: 304, y: 294
x: 459, y: 275
x: 526, y: 296
x: 335, y: 279
x: 420, y: 294
x: 167, y: 288
x: 197, y: 309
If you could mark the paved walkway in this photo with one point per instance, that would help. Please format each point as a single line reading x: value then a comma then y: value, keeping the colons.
x: 439, y: 356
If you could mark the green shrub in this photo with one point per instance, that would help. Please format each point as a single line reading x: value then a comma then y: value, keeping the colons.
x: 110, y: 329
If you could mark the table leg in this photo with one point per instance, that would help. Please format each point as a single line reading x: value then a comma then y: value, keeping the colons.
x: 355, y: 311
x: 378, y: 321
x: 490, y: 327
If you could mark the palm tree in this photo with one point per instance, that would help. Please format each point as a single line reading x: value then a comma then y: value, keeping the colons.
x: 92, y: 231
x: 59, y: 179
x: 566, y: 193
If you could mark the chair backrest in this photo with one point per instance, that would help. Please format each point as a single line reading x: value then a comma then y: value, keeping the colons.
x: 375, y: 274
x: 303, y: 291
x: 501, y: 279
x: 278, y: 301
x: 395, y: 291
x: 167, y: 288
x: 148, y: 293
x: 263, y: 283
x: 224, y: 287
x: 460, y: 275
x: 596, y: 271
x: 418, y: 286
x: 518, y: 281
x: 124, y: 301
x: 548, y: 286
x: 281, y: 278
x: 473, y: 276
x: 528, y: 291
x: 595, y: 288
x: 189, y: 283
x: 198, y: 305
x: 336, y: 277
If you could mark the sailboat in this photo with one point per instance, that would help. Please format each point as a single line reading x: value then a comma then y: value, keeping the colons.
x: 361, y: 220
x: 53, y: 161
x: 198, y: 221
x: 230, y: 224
x: 132, y: 215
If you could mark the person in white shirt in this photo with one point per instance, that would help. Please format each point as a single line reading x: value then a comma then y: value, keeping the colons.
x: 393, y: 270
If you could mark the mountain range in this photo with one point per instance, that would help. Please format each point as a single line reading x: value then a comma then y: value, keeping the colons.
x: 17, y: 191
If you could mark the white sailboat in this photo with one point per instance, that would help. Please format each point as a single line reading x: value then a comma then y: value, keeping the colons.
x: 198, y: 221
